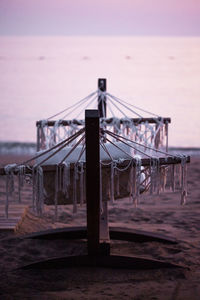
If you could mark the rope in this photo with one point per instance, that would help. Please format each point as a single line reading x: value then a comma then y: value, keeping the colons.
x: 114, y: 98
x: 143, y: 110
x: 130, y: 147
x: 118, y: 108
x: 51, y: 155
x: 81, y: 153
x: 109, y: 107
x: 77, y: 103
x: 105, y: 149
x: 117, y: 146
x: 75, y: 108
x: 74, y: 147
x: 125, y: 168
x: 86, y: 107
x: 65, y: 142
x: 156, y: 150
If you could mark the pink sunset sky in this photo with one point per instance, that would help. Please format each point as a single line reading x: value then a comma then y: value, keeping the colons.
x: 104, y: 17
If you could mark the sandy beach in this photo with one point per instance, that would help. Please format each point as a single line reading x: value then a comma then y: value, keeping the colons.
x: 161, y: 214
x: 115, y: 82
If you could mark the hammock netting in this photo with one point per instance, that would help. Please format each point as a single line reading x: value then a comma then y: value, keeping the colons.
x: 134, y: 158
x: 152, y: 131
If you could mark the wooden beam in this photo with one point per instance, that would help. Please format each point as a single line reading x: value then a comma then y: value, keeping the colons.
x: 92, y: 180
x: 104, y: 229
x: 144, y: 162
x: 111, y: 261
x: 107, y: 120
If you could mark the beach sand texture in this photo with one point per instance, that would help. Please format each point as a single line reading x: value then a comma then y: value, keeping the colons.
x: 162, y: 214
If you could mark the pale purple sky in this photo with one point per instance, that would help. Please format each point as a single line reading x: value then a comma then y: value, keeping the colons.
x: 103, y: 17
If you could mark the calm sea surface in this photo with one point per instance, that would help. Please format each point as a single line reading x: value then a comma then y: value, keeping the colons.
x: 40, y: 76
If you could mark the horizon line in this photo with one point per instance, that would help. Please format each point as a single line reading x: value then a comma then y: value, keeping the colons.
x: 101, y: 35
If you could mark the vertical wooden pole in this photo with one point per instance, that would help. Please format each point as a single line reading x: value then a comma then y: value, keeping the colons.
x: 104, y: 228
x: 38, y: 137
x: 92, y: 180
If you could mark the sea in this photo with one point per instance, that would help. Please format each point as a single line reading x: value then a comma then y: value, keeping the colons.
x: 40, y: 76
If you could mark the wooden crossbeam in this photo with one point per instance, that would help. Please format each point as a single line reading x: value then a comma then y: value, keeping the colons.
x: 144, y: 162
x: 135, y: 121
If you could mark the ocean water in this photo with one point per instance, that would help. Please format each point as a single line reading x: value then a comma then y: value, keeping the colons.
x: 40, y: 76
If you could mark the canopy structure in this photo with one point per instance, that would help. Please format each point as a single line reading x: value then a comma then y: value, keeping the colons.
x: 134, y: 156
x: 99, y: 160
x: 116, y: 115
x: 133, y: 151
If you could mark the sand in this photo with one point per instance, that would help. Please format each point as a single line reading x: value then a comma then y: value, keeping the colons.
x: 162, y: 214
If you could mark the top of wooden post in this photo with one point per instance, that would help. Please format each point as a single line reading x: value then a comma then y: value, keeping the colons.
x: 102, y: 84
x: 91, y: 113
x: 102, y: 98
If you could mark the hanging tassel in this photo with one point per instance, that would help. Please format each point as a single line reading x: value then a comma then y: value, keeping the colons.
x: 66, y: 179
x: 145, y: 135
x: 19, y: 188
x: 33, y: 189
x: 161, y: 177
x: 9, y: 171
x: 131, y: 183
x: 134, y: 184
x: 151, y: 176
x: 158, y: 178
x: 60, y: 181
x: 112, y: 169
x: 81, y: 183
x: 39, y: 190
x: 56, y: 194
x: 64, y: 184
x: 157, y: 138
x: 173, y: 178
x: 178, y: 174
x: 137, y: 180
x: 154, y: 175
x: 161, y: 134
x: 157, y: 175
x: 164, y: 178
x: 117, y: 183
x: 101, y: 189
x: 21, y: 174
x: 7, y: 196
x: 74, y: 189
x: 44, y: 137
x: 167, y: 135
x: 183, y: 181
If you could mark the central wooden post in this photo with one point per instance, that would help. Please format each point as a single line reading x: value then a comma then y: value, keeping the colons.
x: 104, y: 228
x: 92, y: 180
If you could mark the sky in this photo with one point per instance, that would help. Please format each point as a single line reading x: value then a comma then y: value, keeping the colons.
x: 104, y: 17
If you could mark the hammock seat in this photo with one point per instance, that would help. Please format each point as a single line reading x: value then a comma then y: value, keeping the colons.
x: 76, y: 174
